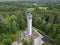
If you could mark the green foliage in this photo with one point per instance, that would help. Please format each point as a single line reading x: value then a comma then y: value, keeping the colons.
x: 57, y: 40
x: 8, y: 29
x: 47, y: 21
x: 47, y: 44
x: 31, y: 41
x: 11, y: 24
x: 7, y: 41
x: 22, y: 24
x: 25, y: 42
x: 2, y: 44
x: 13, y: 37
x: 15, y: 20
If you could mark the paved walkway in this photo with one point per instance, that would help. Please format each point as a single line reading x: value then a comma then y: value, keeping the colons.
x: 41, y: 36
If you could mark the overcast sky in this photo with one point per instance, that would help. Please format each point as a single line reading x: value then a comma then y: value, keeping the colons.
x: 8, y: 0
x: 29, y: 0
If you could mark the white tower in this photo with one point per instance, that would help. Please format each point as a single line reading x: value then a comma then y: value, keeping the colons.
x: 29, y: 23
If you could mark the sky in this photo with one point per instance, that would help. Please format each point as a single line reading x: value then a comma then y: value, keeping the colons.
x: 8, y: 0
x: 30, y: 0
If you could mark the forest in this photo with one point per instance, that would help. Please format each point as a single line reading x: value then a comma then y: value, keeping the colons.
x: 46, y: 18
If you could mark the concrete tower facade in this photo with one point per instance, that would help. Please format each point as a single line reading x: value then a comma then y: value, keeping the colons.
x: 29, y: 23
